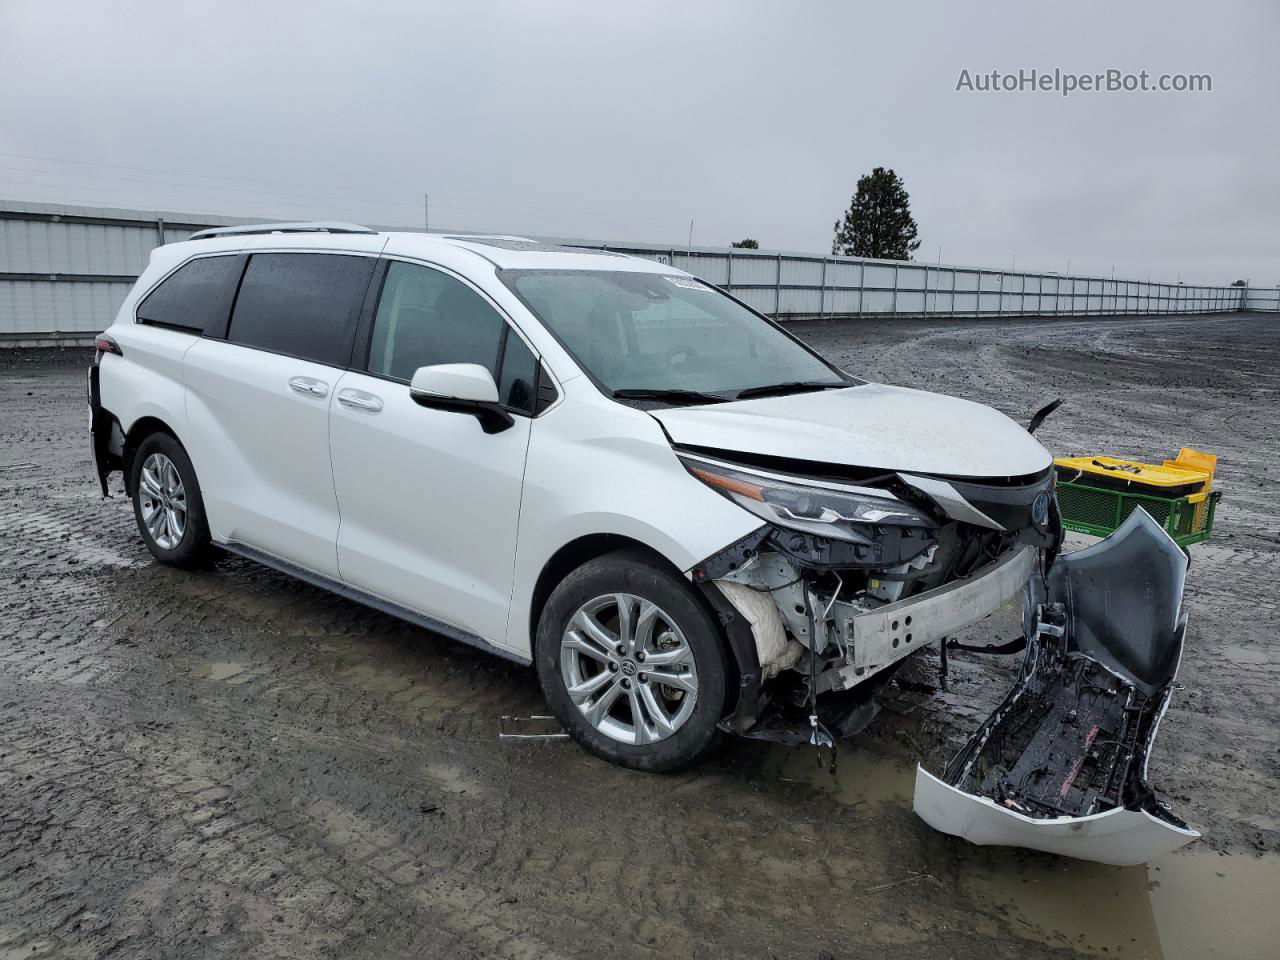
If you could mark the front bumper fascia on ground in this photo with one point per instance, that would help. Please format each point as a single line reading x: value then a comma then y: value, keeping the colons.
x: 1061, y: 764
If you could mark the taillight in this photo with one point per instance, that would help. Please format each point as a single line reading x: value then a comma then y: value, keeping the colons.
x: 106, y: 344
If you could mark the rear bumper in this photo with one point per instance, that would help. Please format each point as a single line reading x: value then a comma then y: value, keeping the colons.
x: 105, y: 439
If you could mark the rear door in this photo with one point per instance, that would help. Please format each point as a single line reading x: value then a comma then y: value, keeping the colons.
x: 258, y: 404
x: 430, y: 502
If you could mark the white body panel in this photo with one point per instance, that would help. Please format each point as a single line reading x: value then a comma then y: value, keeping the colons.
x: 147, y: 381
x: 261, y: 451
x: 1120, y: 837
x: 442, y: 523
x: 872, y: 425
x: 430, y: 505
x: 595, y: 467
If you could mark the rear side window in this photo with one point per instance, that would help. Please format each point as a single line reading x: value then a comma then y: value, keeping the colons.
x: 301, y: 304
x: 427, y: 317
x: 194, y: 297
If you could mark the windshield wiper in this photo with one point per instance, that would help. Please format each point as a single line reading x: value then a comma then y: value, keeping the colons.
x: 794, y: 386
x: 673, y: 395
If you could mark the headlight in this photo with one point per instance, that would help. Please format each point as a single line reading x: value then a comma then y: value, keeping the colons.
x: 825, y: 511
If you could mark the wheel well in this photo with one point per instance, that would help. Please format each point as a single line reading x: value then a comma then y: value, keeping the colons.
x: 577, y: 552
x: 142, y: 428
x: 573, y: 555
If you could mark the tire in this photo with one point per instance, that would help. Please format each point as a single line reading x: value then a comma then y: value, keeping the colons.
x: 169, y: 510
x: 681, y: 696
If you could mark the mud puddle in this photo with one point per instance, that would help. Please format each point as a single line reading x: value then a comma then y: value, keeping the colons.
x: 864, y: 775
x: 1189, y: 906
x: 1195, y: 905
x: 223, y: 671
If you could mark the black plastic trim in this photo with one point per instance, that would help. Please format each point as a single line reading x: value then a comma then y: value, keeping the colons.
x: 742, y: 644
x: 493, y: 416
x: 54, y: 277
x: 99, y: 431
x: 364, y: 326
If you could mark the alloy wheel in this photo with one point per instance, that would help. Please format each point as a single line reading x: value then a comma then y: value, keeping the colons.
x: 628, y: 668
x: 163, y: 500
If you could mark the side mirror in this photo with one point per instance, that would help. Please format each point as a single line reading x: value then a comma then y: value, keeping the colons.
x: 461, y: 388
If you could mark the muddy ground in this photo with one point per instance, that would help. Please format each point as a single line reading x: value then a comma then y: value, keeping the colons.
x: 232, y: 763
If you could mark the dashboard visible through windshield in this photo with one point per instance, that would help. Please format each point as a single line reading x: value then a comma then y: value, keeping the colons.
x: 666, y: 337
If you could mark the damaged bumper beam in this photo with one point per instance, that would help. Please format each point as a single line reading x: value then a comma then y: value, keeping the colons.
x: 878, y: 638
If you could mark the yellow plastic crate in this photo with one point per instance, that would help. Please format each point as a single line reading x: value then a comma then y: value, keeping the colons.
x: 1096, y: 494
x: 1161, y: 478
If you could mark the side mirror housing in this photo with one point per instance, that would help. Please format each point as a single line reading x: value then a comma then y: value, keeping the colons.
x: 461, y: 388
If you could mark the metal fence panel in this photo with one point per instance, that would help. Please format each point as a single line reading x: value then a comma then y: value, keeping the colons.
x: 64, y: 271
x: 1260, y: 298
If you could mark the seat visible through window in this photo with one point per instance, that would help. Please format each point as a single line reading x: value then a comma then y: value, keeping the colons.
x: 426, y: 317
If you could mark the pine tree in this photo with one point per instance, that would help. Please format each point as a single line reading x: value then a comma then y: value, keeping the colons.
x: 878, y: 222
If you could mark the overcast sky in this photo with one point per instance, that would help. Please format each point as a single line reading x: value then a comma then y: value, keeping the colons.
x: 624, y: 121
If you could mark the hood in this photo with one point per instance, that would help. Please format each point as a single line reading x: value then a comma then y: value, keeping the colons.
x: 870, y: 425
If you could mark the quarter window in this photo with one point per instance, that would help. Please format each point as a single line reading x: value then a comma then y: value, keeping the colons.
x: 517, y: 382
x: 194, y: 297
x: 426, y: 317
x: 301, y: 304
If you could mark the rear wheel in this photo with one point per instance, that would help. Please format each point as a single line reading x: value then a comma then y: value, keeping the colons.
x: 631, y: 663
x: 167, y: 503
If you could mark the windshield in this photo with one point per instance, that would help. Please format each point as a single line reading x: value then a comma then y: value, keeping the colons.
x: 648, y: 332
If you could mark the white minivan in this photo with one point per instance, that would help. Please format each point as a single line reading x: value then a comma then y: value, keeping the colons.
x: 683, y: 517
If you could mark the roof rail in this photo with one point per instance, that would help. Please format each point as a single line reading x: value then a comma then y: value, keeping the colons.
x: 488, y: 236
x: 252, y: 228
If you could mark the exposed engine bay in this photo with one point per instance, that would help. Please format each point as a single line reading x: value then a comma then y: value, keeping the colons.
x: 855, y: 574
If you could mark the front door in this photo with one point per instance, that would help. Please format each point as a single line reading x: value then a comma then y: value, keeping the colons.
x: 430, y: 503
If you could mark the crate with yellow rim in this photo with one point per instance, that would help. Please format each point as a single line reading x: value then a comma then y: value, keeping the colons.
x: 1097, y: 494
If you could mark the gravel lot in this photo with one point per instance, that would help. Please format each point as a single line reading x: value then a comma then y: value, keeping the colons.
x: 232, y: 763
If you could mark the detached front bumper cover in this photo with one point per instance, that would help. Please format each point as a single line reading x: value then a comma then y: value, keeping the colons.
x: 1061, y: 764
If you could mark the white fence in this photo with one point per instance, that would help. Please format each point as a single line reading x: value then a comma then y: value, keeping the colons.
x: 1262, y: 298
x: 791, y: 285
x: 65, y: 270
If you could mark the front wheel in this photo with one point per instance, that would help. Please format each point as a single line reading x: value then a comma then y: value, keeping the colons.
x: 632, y: 663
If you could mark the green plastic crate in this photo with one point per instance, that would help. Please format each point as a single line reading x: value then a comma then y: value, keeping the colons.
x: 1099, y: 511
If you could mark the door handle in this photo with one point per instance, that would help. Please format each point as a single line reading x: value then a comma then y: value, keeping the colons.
x: 309, y: 386
x: 360, y: 400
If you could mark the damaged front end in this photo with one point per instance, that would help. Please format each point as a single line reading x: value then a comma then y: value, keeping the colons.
x: 851, y: 573
x: 1061, y: 764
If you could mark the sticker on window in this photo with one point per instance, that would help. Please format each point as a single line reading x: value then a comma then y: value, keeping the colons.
x: 686, y: 283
